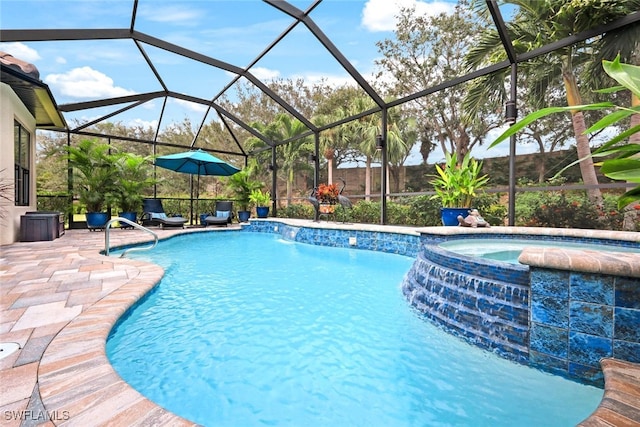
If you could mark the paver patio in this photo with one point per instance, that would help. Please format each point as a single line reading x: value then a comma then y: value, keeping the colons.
x: 58, y: 301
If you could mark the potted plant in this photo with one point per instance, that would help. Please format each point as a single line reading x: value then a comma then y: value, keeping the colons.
x: 242, y: 185
x: 456, y: 186
x: 261, y: 199
x: 93, y: 178
x: 327, y: 196
x: 132, y: 179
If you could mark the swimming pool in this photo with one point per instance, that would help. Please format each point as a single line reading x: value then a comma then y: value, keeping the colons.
x: 510, y: 250
x: 332, y: 341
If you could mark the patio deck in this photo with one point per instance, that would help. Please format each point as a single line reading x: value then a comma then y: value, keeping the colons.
x: 59, y: 300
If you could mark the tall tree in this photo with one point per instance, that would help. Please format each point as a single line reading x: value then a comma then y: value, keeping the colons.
x: 427, y: 51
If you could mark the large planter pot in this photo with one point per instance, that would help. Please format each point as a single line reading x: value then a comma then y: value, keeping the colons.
x: 243, y: 216
x: 131, y: 216
x: 450, y: 215
x: 97, y: 220
x: 262, y: 211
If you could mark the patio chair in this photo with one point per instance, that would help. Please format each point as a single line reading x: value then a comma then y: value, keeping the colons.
x: 154, y: 214
x: 223, y: 214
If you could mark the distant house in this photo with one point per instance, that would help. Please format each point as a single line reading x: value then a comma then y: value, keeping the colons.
x: 26, y: 104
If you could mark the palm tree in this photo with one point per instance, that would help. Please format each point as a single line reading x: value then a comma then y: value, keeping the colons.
x: 538, y: 23
x: 331, y: 139
x: 402, y: 134
x: 364, y: 131
x: 292, y: 154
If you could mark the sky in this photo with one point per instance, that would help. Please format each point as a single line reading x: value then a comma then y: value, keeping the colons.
x: 232, y: 31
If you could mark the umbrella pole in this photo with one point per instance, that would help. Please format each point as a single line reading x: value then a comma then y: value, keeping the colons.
x: 191, y: 208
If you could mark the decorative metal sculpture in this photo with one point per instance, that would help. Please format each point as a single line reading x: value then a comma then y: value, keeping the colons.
x: 344, y: 200
x: 316, y: 204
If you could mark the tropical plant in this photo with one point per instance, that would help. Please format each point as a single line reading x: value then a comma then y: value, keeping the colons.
x: 260, y: 198
x: 621, y: 158
x: 93, y: 173
x: 539, y: 23
x: 131, y: 179
x: 327, y: 193
x: 457, y: 184
x: 241, y: 184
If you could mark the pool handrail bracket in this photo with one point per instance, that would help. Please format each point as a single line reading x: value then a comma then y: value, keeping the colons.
x: 107, y: 228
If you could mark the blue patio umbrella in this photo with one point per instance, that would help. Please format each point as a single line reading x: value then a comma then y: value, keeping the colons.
x: 196, y: 162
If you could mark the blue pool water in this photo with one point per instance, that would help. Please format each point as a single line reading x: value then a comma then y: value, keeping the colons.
x: 509, y: 249
x: 246, y: 329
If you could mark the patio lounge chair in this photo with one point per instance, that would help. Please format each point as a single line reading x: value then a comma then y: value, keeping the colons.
x: 154, y: 214
x: 222, y: 216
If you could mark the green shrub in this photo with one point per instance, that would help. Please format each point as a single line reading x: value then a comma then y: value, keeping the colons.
x: 612, y: 217
x: 297, y: 210
x: 423, y: 211
x: 397, y: 214
x: 178, y: 207
x: 366, y: 212
x: 490, y: 207
x: 567, y: 210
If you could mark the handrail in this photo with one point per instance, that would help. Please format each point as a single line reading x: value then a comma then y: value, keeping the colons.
x: 133, y: 224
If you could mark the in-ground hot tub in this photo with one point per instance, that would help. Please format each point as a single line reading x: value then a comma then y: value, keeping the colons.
x: 509, y: 250
x: 558, y: 309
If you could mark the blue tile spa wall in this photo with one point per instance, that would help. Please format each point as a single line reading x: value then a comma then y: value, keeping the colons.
x: 579, y: 318
x: 556, y: 320
x: 481, y: 301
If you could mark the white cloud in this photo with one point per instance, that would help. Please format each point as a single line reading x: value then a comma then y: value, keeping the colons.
x: 264, y: 74
x: 198, y: 108
x: 85, y: 82
x: 145, y: 124
x: 60, y: 60
x: 172, y: 14
x: 380, y: 15
x: 331, y: 80
x: 20, y: 51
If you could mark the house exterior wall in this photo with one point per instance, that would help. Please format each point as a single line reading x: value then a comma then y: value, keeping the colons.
x: 11, y: 108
